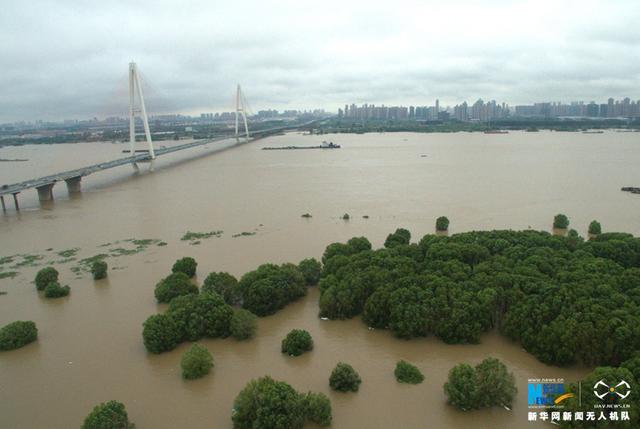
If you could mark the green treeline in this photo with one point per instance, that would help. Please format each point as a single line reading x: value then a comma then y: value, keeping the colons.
x: 565, y: 300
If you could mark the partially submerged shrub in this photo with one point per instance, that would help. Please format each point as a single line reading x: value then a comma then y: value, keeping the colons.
x: 407, y: 373
x: 243, y: 324
x: 344, y: 378
x: 108, y: 415
x: 442, y: 223
x: 99, y: 270
x: 45, y: 276
x: 267, y: 403
x: 186, y: 265
x: 54, y: 290
x: 174, y: 285
x: 595, y: 228
x: 17, y: 334
x: 317, y: 408
x: 297, y: 342
x: 400, y: 237
x: 560, y: 221
x: 196, y: 362
x: 160, y: 333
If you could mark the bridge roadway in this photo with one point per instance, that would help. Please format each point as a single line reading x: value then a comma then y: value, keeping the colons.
x: 44, y: 185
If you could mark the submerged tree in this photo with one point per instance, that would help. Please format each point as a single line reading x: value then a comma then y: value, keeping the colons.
x: 224, y: 284
x: 243, y: 324
x: 486, y: 385
x: 186, y: 265
x: 46, y: 276
x: 108, y: 415
x: 317, y: 407
x: 595, y: 228
x: 196, y: 362
x: 99, y: 269
x: 344, y: 378
x: 407, y: 373
x: 17, y: 334
x: 54, y: 290
x: 267, y: 403
x: 174, y: 285
x: 398, y: 238
x: 297, y: 342
x: 442, y: 223
x: 561, y: 221
x: 311, y: 270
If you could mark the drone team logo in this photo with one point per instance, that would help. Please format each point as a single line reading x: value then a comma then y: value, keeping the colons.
x: 601, y: 389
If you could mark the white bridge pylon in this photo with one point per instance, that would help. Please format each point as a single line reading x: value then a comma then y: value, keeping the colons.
x: 135, y: 87
x: 241, y: 108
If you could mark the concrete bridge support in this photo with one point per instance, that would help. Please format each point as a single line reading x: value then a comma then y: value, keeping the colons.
x: 73, y: 185
x: 45, y: 192
x: 4, y: 208
x: 15, y: 201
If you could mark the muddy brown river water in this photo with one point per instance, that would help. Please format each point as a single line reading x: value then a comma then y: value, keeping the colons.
x: 90, y: 347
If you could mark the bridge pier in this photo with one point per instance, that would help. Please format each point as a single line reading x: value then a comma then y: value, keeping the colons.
x: 45, y: 192
x: 15, y: 201
x: 4, y: 208
x: 73, y: 185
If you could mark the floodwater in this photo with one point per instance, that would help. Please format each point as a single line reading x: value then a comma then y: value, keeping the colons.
x: 90, y: 347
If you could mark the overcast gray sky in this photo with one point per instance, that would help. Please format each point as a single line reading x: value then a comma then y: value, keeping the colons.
x: 68, y: 58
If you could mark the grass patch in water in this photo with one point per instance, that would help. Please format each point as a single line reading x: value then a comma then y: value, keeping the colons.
x: 119, y: 251
x: 69, y: 252
x: 28, y: 260
x: 7, y: 259
x: 191, y: 236
x: 243, y: 234
x: 8, y: 274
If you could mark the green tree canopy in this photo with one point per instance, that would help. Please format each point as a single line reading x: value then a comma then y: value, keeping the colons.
x: 224, y: 284
x: 46, y: 276
x: 407, y: 373
x: 398, y: 238
x: 99, y: 269
x: 108, y: 415
x: 561, y: 221
x: 186, y: 265
x: 196, y: 362
x: 17, y: 334
x: 297, y: 342
x: 174, y: 285
x: 344, y: 378
x: 486, y: 385
x: 442, y: 223
x: 267, y: 403
x: 311, y: 270
x: 595, y: 228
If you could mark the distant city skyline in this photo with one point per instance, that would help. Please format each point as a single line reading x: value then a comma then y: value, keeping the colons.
x: 478, y: 110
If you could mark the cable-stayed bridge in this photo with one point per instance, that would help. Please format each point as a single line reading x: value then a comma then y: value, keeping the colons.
x: 72, y: 178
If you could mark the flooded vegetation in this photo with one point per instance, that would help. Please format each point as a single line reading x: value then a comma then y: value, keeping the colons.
x: 90, y: 347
